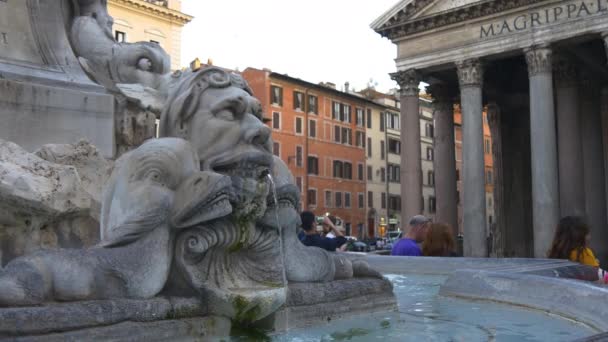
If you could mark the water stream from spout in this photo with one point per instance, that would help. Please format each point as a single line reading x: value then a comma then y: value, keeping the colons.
x: 273, y: 188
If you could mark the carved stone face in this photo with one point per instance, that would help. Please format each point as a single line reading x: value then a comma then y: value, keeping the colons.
x: 216, y: 112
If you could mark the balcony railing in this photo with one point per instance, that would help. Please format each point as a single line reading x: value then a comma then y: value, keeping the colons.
x: 164, y: 3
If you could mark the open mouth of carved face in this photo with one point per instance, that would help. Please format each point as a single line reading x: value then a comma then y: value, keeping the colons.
x: 252, y: 166
x: 213, y: 203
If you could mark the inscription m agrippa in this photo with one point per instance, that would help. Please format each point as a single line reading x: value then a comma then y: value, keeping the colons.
x: 544, y: 16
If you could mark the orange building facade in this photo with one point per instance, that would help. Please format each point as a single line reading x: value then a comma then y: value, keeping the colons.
x: 319, y: 132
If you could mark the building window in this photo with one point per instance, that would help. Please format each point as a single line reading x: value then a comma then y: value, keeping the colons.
x: 369, y: 173
x: 370, y: 199
x: 348, y: 171
x: 312, y: 104
x: 383, y: 200
x: 489, y: 177
x: 360, y: 201
x: 382, y: 175
x: 298, y: 125
x: 276, y: 95
x: 429, y: 130
x: 276, y: 149
x: 337, y: 131
x: 369, y: 118
x: 489, y: 202
x: 432, y: 205
x: 360, y: 117
x: 338, y: 169
x: 338, y: 198
x: 430, y: 178
x: 394, y: 146
x: 382, y: 122
x: 360, y: 139
x: 313, y: 165
x: 276, y: 120
x: 120, y: 37
x: 382, y: 150
x: 429, y: 153
x: 369, y: 147
x: 347, y: 114
x: 335, y: 112
x: 487, y: 146
x: 392, y: 121
x: 298, y: 101
x: 299, y: 183
x: 327, y: 199
x: 312, y: 128
x: 394, y: 202
x: 347, y: 200
x: 312, y: 197
x: 299, y: 156
x: 360, y: 172
x: 457, y: 175
x: 347, y: 136
x: 393, y: 173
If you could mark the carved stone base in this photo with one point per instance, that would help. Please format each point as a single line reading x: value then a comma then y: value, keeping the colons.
x: 171, y: 318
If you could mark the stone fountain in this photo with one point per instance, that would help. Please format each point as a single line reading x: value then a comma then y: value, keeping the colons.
x: 107, y: 232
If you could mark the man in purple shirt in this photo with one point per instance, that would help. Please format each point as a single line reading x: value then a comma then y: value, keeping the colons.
x: 408, y: 245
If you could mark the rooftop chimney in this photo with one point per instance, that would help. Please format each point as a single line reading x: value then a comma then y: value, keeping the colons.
x: 346, y: 87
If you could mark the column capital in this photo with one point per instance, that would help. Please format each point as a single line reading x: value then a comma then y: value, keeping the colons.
x: 408, y: 81
x: 539, y: 59
x: 443, y: 95
x: 470, y: 73
x: 564, y: 71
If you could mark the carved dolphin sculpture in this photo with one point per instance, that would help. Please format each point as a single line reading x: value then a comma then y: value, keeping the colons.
x: 302, y: 263
x: 153, y: 191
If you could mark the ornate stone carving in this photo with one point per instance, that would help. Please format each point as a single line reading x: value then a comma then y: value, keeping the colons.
x: 470, y: 73
x: 408, y: 81
x: 146, y: 200
x: 564, y: 71
x: 443, y: 95
x: 539, y: 60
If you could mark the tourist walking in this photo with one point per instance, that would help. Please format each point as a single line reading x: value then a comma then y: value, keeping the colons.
x: 408, y: 245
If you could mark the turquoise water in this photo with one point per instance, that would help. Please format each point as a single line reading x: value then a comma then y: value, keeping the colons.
x: 425, y: 316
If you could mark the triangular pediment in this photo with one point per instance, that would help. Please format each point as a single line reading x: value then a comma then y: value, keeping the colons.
x: 406, y: 10
x: 442, y: 6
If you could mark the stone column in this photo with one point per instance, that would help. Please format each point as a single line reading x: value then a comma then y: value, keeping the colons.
x: 411, y: 170
x: 593, y: 161
x: 444, y: 164
x: 545, y: 193
x: 570, y: 151
x: 604, y: 111
x: 499, y: 226
x: 470, y: 76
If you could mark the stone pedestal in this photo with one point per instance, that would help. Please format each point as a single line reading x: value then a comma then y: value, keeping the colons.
x: 45, y: 97
x: 470, y: 74
x: 545, y: 193
x: 411, y: 170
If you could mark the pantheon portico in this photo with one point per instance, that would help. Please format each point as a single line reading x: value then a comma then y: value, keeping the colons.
x: 539, y: 68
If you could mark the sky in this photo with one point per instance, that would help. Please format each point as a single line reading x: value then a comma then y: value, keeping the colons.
x: 314, y: 40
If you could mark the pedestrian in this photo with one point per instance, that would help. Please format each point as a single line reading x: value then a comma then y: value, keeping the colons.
x: 313, y: 239
x: 438, y: 241
x: 408, y: 245
x: 571, y: 241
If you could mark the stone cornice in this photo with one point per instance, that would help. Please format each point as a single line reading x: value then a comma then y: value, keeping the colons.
x: 408, y: 81
x: 401, y: 25
x: 154, y: 10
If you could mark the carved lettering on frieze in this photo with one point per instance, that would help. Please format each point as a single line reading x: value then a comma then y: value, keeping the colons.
x: 542, y: 17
